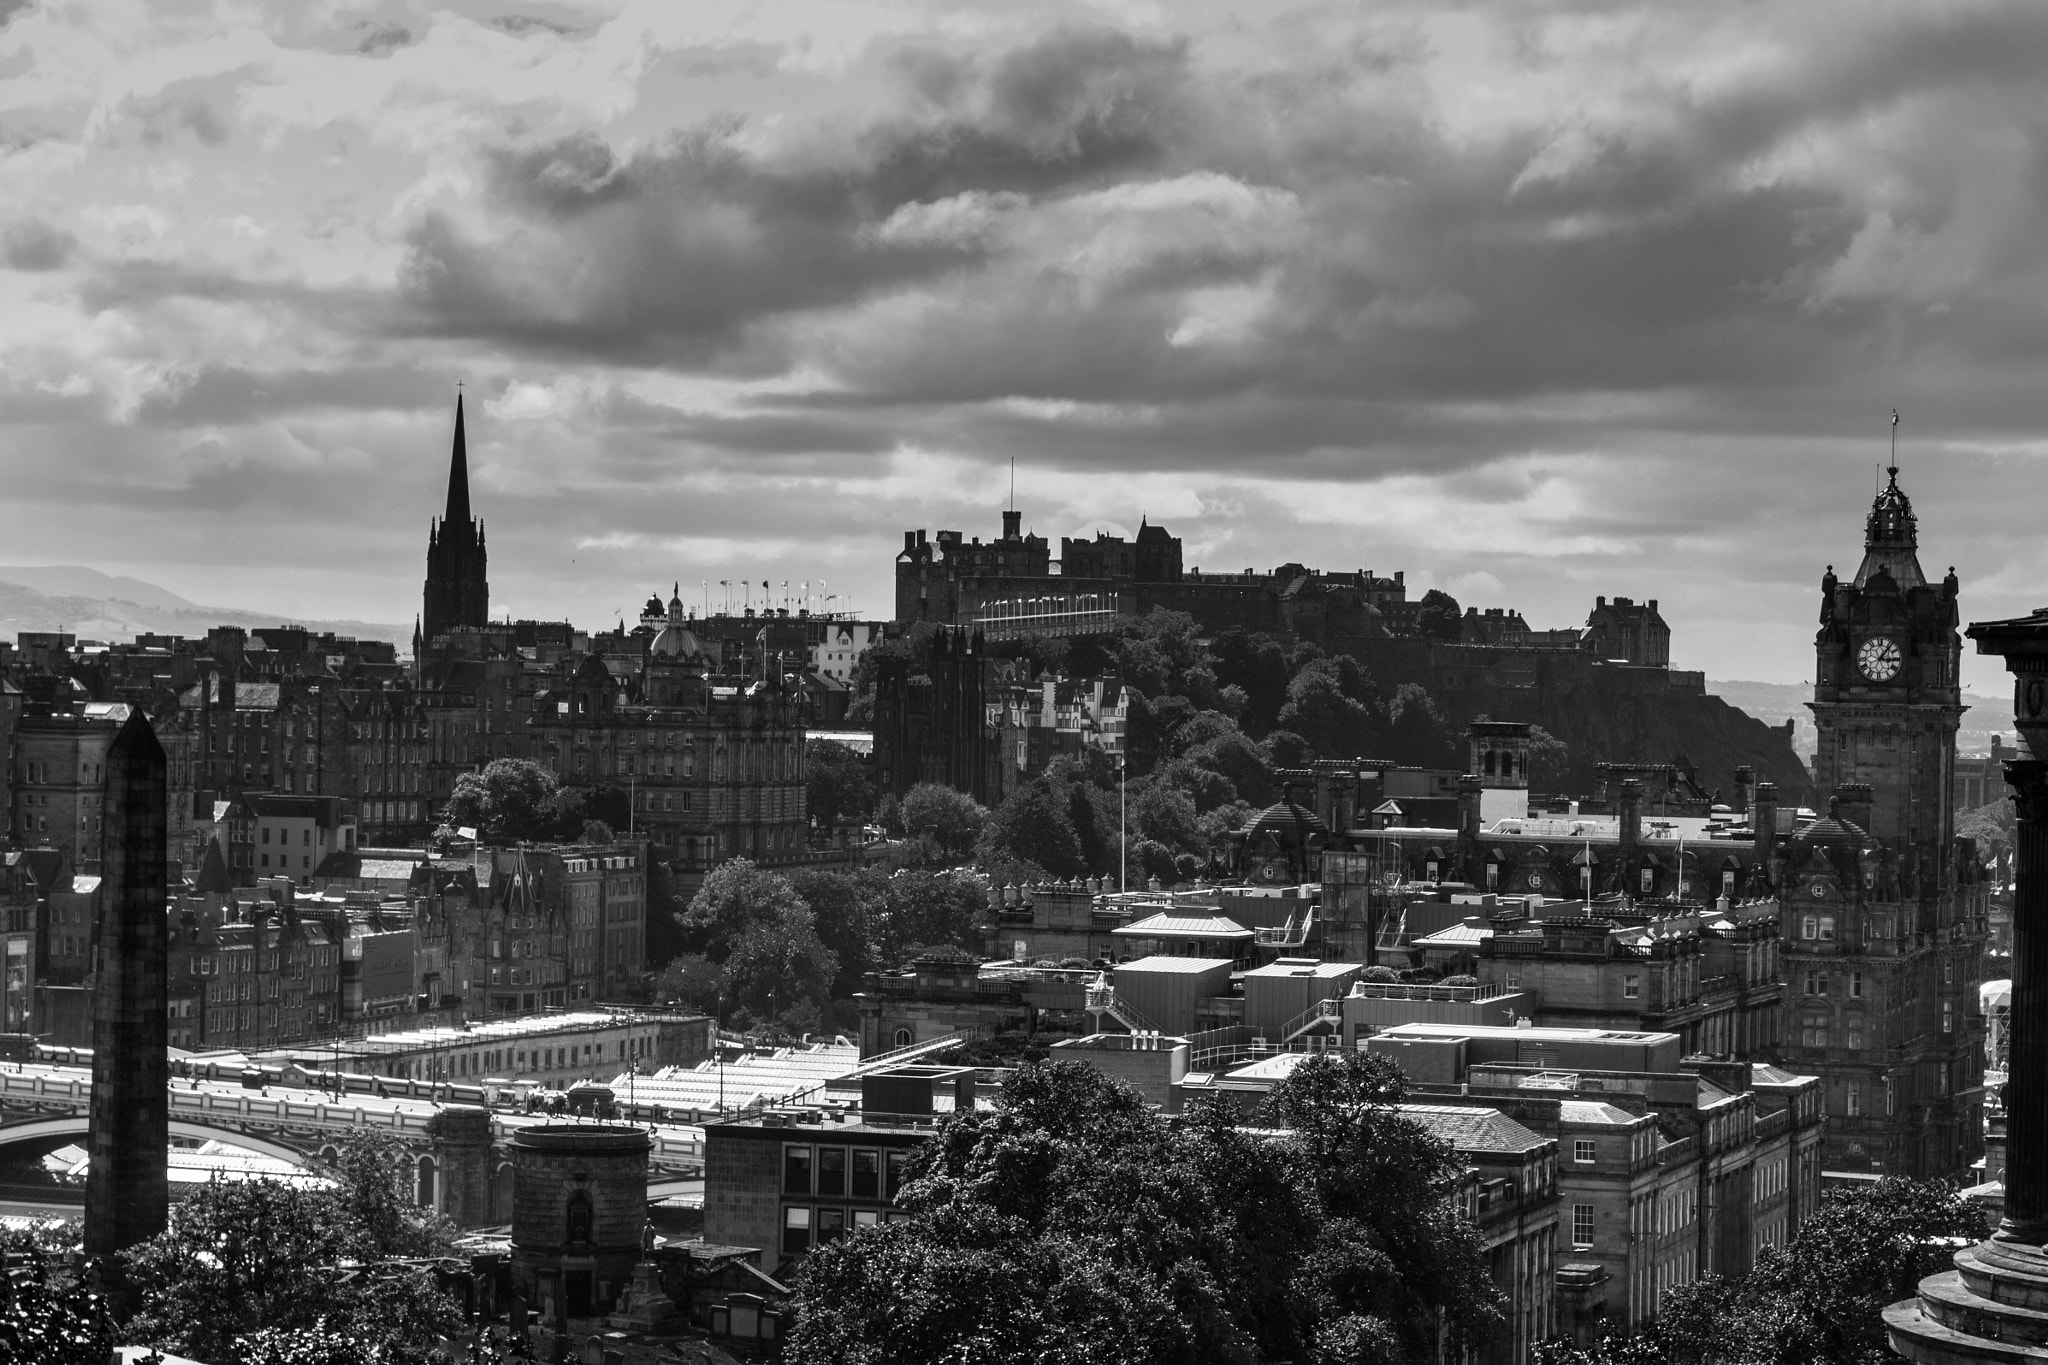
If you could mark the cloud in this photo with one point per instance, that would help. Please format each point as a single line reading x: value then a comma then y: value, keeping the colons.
x: 31, y: 244
x: 1540, y: 301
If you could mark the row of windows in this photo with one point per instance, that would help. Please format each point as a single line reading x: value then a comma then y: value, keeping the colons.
x: 803, y: 1228
x: 847, y: 1172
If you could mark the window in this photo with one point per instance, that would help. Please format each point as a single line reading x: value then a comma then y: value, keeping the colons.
x: 893, y: 1166
x: 1948, y: 972
x: 1809, y: 926
x: 1728, y: 882
x: 796, y: 1231
x: 831, y: 1223
x: 1827, y: 928
x: 1583, y: 1149
x: 1856, y: 985
x: 1855, y: 1031
x: 1813, y: 1031
x: 1631, y: 986
x: 865, y: 1218
x: 867, y: 1173
x: 796, y: 1171
x: 1649, y: 879
x: 1492, y: 876
x: 1854, y: 1099
x: 831, y: 1174
x: 1582, y: 1227
x: 1948, y: 1016
x: 1816, y: 983
x: 904, y: 1037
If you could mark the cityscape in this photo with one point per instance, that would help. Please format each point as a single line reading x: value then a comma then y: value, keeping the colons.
x: 1315, y: 687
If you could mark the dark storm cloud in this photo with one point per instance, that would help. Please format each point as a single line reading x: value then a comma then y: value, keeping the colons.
x: 673, y: 255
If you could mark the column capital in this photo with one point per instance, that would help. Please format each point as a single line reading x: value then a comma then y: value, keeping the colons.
x: 2028, y: 778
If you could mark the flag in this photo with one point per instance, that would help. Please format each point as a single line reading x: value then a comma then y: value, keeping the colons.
x: 1895, y: 416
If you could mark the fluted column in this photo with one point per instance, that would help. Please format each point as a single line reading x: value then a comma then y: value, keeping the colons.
x: 2026, y: 1086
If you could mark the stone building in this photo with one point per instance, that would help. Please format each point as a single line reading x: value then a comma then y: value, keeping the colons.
x: 1628, y: 631
x: 1886, y: 910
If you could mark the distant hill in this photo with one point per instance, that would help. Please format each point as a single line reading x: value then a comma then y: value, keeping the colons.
x: 97, y: 606
x: 1776, y: 703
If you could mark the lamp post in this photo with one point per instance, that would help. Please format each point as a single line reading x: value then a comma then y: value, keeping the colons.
x: 1123, y: 828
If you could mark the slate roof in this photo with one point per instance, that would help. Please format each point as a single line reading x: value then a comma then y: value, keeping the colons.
x: 1474, y: 1130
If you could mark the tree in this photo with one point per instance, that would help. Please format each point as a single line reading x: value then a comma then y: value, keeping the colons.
x: 836, y: 783
x: 1549, y: 760
x: 1416, y: 732
x: 1257, y: 666
x: 692, y: 979
x: 248, y: 1269
x: 1237, y: 758
x: 947, y: 819
x: 846, y: 909
x: 49, y: 1315
x: 1032, y: 826
x: 1819, y: 1299
x: 1438, y: 616
x: 1332, y: 708
x: 509, y: 801
x: 923, y: 908
x: 735, y: 896
x: 778, y: 963
x: 1073, y: 1223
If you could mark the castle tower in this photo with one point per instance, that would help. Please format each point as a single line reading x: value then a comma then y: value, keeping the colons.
x: 1883, y: 935
x: 457, y: 591
x: 127, y: 1195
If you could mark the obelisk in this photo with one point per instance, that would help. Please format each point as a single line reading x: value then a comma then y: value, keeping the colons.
x: 127, y: 1194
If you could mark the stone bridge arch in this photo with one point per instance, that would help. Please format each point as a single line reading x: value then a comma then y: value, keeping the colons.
x: 75, y: 1125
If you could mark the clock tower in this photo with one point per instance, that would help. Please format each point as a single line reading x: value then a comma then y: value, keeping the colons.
x: 1883, y: 909
x: 1887, y: 695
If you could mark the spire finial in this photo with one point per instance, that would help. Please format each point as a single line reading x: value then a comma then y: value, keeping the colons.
x: 457, y: 514
x: 1894, y: 469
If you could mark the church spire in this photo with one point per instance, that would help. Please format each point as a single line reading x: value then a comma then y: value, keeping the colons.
x: 458, y: 475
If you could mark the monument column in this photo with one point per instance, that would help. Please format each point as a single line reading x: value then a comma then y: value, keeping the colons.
x: 127, y: 1192
x: 1990, y: 1306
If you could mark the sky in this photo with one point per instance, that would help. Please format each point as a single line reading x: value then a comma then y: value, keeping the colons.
x: 1532, y: 301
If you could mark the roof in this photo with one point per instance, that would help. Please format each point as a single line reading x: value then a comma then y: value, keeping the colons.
x: 1474, y: 1130
x: 1183, y: 926
x: 1457, y: 936
x: 1594, y: 1111
x: 1161, y: 965
x: 1534, y: 1035
x: 1287, y: 968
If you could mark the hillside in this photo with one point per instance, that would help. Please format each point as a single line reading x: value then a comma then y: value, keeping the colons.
x: 96, y: 606
x: 1775, y: 703
x: 1611, y: 717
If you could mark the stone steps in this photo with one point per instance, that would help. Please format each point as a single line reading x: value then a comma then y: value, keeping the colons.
x: 1950, y: 1300
x: 1922, y: 1340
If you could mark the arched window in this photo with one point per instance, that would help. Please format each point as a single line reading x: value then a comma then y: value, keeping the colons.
x: 423, y: 1189
x: 1827, y: 928
x: 1853, y: 1031
x: 904, y: 1037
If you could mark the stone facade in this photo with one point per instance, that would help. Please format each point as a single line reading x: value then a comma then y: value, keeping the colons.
x: 579, y: 1211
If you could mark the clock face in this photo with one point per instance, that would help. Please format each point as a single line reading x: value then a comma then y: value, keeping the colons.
x: 1879, y: 659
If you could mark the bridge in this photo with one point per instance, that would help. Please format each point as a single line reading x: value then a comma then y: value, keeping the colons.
x: 302, y: 1125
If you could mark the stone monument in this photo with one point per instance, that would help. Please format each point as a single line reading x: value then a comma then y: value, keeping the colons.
x: 579, y: 1201
x: 1994, y: 1304
x: 127, y: 1194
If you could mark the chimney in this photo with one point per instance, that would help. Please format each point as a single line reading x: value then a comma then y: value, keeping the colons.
x: 1745, y: 778
x: 909, y: 542
x: 1763, y: 818
x: 1852, y: 803
x: 1628, y: 810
